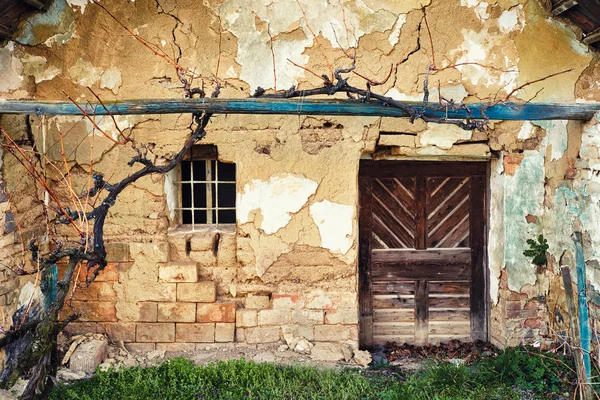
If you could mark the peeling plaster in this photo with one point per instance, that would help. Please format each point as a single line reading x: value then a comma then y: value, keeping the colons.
x: 84, y: 73
x: 335, y: 225
x: 395, y: 35
x: 524, y: 195
x: 111, y: 79
x: 276, y: 199
x: 556, y: 137
x: 53, y: 26
x: 527, y: 131
x: 443, y: 136
x: 497, y: 232
x: 36, y: 66
x: 10, y: 69
x: 285, y: 16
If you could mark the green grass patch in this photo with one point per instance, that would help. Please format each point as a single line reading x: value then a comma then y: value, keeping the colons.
x: 502, y: 377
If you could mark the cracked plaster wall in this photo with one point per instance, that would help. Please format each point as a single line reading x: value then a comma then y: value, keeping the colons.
x: 297, y: 185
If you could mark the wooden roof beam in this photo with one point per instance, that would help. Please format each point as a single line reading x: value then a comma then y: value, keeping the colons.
x: 592, y: 37
x: 502, y: 111
x: 563, y: 6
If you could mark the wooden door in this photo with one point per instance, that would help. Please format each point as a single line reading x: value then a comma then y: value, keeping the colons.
x: 421, y: 264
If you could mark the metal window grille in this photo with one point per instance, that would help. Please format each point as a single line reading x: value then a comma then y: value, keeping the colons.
x: 207, y: 192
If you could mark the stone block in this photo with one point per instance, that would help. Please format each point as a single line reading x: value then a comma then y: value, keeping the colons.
x: 257, y: 302
x: 240, y: 335
x: 204, y: 258
x: 159, y: 291
x: 261, y: 334
x: 331, y: 352
x: 80, y: 328
x: 118, y: 331
x: 140, y: 347
x: 298, y: 331
x: 88, y: 355
x: 98, y: 311
x: 137, y: 312
x: 246, y: 318
x: 176, y: 346
x: 155, y: 332
x: 290, y: 317
x: 180, y: 271
x: 203, y: 241
x: 200, y: 292
x: 216, y: 312
x: 197, y: 333
x: 332, y: 333
x: 347, y: 316
x: 176, y: 312
x: 397, y: 140
x: 224, y: 332
x: 287, y: 301
x: 117, y: 252
x: 97, y: 291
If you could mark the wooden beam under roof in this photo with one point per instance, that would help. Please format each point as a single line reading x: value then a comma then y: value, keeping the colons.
x: 502, y: 111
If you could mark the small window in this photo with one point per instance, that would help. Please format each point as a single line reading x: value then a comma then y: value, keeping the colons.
x: 206, y: 189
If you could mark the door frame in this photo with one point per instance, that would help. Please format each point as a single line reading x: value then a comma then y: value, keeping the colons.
x: 479, y: 171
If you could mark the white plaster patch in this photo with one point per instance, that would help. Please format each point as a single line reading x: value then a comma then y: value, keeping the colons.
x: 335, y: 225
x: 556, y: 136
x: 526, y: 131
x: 108, y: 126
x: 457, y: 93
x: 84, y: 73
x: 508, y: 20
x: 36, y: 66
x: 396, y: 95
x: 28, y: 291
x: 276, y: 199
x: 443, y: 136
x: 111, y: 79
x: 395, y: 35
x: 78, y: 3
x: 10, y: 69
x: 482, y: 12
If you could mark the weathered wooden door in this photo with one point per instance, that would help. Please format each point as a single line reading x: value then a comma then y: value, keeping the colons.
x: 421, y: 267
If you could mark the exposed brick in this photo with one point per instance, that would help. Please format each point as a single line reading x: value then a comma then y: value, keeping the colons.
x: 246, y: 318
x: 177, y: 312
x: 216, y: 312
x: 342, y: 316
x: 180, y: 271
x: 204, y: 258
x: 511, y: 163
x: 117, y: 252
x: 176, y: 346
x: 148, y: 312
x: 332, y: 333
x: 257, y: 302
x: 534, y: 323
x: 140, y: 347
x: 97, y: 291
x: 155, y: 332
x: 200, y: 292
x: 118, y: 331
x: 110, y: 273
x: 203, y: 241
x: 160, y: 291
x: 80, y: 328
x: 198, y: 333
x: 99, y: 311
x: 224, y: 332
x: 261, y: 334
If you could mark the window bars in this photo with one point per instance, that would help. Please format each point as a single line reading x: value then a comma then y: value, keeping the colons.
x: 207, y: 192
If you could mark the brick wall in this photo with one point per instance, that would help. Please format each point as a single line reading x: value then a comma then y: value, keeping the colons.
x: 186, y: 292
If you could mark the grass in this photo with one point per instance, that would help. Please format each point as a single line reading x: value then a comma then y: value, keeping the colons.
x: 507, y: 376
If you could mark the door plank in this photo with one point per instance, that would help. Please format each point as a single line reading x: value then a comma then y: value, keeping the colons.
x: 425, y: 257
x: 421, y: 312
x: 391, y: 272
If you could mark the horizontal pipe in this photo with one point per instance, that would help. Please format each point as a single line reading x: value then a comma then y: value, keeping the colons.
x: 502, y: 111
